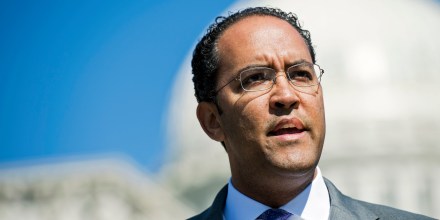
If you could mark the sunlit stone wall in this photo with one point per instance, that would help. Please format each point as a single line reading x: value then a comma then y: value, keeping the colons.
x: 96, y: 189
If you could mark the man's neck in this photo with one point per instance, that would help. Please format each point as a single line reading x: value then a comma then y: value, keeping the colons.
x: 274, y: 190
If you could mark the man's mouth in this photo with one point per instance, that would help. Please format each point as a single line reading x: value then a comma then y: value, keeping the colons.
x: 287, y: 126
x: 283, y: 131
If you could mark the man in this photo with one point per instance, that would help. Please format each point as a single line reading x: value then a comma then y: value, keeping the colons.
x: 259, y: 93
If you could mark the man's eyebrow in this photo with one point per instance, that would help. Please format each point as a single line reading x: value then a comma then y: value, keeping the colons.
x: 251, y: 66
x: 301, y: 61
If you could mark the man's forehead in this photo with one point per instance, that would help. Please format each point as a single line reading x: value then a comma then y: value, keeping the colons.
x: 251, y: 23
x: 248, y: 30
x: 257, y: 35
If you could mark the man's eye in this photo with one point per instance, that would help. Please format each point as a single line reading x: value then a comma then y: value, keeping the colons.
x: 255, y: 78
x: 301, y: 75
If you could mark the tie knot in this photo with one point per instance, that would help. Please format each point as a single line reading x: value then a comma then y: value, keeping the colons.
x: 274, y: 214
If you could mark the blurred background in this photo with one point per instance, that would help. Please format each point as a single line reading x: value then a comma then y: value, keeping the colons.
x: 97, y: 113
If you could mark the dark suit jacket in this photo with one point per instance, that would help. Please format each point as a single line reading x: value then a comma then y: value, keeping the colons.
x: 341, y: 207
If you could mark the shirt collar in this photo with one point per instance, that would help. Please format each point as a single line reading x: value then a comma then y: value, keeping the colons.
x: 312, y: 203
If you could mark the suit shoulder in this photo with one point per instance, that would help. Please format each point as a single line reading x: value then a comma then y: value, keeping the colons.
x: 203, y: 215
x: 348, y: 208
x: 215, y: 212
x: 392, y: 213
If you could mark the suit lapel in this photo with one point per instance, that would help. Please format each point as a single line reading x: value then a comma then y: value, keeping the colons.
x: 344, y: 207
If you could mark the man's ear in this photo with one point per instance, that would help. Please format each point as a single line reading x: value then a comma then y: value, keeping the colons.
x: 209, y: 119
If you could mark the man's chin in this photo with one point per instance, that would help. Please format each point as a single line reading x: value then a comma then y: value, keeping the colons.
x: 295, y: 169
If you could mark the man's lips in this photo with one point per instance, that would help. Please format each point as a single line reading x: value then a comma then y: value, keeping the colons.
x: 285, y: 131
x: 287, y: 126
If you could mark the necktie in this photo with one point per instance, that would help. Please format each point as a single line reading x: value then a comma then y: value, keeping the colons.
x: 274, y: 214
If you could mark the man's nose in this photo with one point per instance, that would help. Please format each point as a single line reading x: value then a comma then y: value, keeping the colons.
x: 284, y: 96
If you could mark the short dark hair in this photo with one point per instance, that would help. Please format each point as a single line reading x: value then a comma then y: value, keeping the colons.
x: 205, y: 61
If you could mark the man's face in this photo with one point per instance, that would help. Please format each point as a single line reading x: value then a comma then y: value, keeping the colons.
x: 277, y: 131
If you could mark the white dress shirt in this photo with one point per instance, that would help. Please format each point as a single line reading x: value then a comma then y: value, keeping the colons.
x: 312, y: 203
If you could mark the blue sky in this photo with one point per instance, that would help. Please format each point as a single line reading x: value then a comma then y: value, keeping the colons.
x: 85, y: 78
